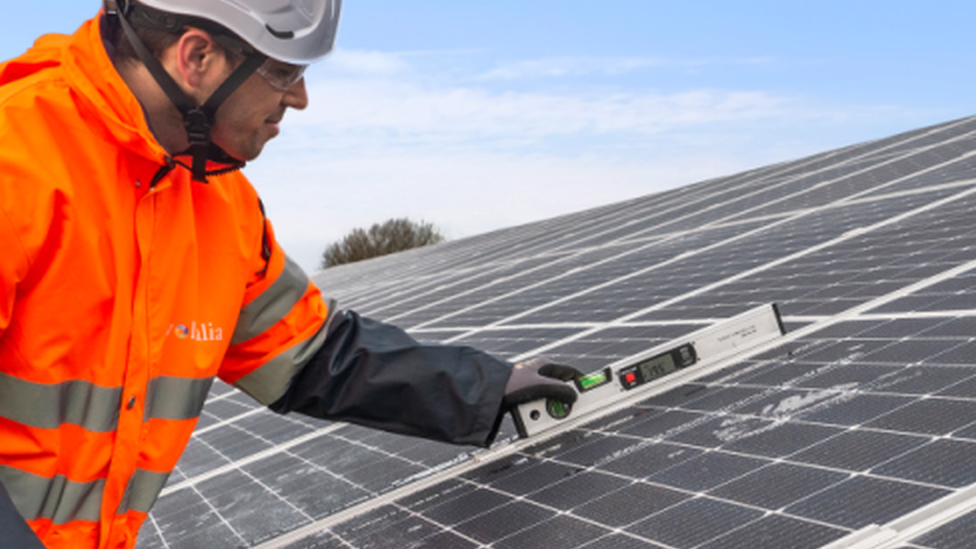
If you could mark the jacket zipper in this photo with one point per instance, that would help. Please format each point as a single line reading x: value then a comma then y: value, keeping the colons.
x: 162, y: 172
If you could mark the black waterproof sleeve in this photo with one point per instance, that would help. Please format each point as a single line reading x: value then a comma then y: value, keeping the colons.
x: 14, y: 532
x: 376, y: 375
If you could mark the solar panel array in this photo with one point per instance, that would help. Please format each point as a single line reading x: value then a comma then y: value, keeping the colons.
x: 865, y: 414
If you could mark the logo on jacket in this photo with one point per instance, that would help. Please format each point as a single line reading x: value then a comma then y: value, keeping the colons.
x: 197, y: 332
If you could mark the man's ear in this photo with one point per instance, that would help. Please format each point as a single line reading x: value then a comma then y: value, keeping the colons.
x: 198, y: 62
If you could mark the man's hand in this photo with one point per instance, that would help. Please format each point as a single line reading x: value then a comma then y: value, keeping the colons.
x: 539, y: 378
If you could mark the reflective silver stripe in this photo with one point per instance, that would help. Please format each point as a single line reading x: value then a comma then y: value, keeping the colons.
x: 93, y: 407
x: 176, y: 398
x: 273, y: 304
x: 269, y: 382
x: 142, y: 491
x: 49, y: 406
x: 57, y: 498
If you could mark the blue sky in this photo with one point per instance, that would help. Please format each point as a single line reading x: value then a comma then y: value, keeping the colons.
x: 481, y: 115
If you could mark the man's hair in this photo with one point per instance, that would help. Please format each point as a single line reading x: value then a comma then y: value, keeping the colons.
x: 155, y: 40
x: 158, y: 31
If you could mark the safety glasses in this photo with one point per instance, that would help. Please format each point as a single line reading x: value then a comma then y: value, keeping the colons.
x: 282, y: 76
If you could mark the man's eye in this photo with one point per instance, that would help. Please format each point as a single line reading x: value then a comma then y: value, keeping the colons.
x: 284, y: 73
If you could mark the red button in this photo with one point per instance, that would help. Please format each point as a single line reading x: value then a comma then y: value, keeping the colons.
x: 630, y: 377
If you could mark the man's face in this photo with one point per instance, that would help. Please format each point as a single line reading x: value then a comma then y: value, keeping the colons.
x: 250, y: 117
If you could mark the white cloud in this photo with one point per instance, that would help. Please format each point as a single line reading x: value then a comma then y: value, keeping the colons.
x: 365, y: 62
x: 409, y: 108
x: 570, y: 66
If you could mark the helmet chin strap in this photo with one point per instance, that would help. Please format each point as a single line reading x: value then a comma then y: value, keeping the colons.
x: 197, y: 119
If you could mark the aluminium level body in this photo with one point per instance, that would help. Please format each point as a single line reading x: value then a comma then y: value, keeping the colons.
x: 650, y: 372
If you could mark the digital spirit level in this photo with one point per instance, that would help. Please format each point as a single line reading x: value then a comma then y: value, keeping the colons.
x: 653, y: 371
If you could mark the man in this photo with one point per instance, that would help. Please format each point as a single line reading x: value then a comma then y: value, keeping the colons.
x: 138, y: 264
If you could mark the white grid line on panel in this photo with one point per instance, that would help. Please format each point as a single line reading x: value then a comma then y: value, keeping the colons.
x: 577, y: 325
x: 218, y: 514
x: 275, y: 493
x: 215, y: 398
x: 911, y: 192
x: 159, y: 532
x: 950, y: 313
x: 419, y: 516
x: 227, y: 458
x: 234, y: 465
x: 228, y: 421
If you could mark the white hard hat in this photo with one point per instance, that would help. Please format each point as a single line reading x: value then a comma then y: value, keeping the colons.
x: 294, y: 31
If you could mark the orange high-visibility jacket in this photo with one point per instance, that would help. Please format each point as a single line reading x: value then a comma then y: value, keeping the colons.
x: 124, y: 289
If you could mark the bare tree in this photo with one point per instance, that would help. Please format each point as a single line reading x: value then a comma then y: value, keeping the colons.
x: 395, y: 235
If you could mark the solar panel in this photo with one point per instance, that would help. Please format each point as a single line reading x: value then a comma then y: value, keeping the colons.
x: 859, y: 425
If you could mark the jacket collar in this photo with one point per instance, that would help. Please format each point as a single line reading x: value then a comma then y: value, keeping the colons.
x: 85, y: 62
x: 90, y: 72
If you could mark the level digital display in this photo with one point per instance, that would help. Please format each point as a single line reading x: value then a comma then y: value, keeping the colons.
x: 658, y: 366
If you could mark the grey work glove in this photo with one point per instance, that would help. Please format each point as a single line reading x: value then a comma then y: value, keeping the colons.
x: 539, y: 378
